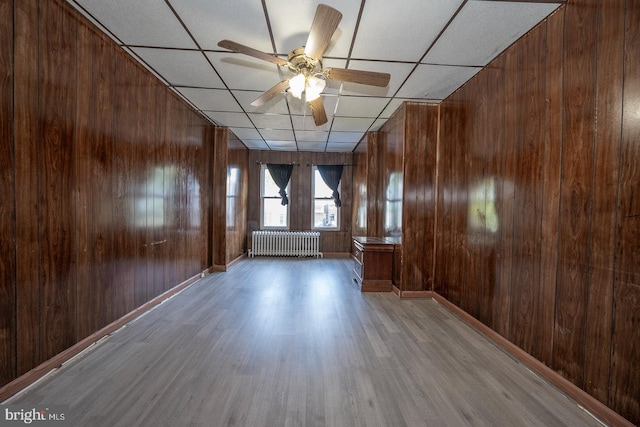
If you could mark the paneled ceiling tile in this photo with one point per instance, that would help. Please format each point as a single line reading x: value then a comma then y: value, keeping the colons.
x: 271, y: 121
x: 243, y: 72
x: 277, y: 135
x: 436, y: 82
x: 312, y: 146
x: 311, y: 135
x: 341, y: 148
x: 257, y: 144
x: 305, y: 123
x: 282, y: 145
x: 172, y: 64
x: 360, y: 106
x: 398, y: 72
x: 277, y: 105
x: 291, y: 21
x: 400, y: 31
x: 231, y: 120
x: 345, y: 137
x: 246, y: 133
x: 349, y: 124
x: 213, y: 20
x: 140, y: 22
x: 211, y: 99
x: 483, y: 29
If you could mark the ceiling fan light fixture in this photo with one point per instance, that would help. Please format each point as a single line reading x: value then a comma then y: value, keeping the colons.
x: 314, y: 88
x: 297, y: 85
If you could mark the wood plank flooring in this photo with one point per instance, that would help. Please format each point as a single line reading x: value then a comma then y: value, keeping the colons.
x: 293, y: 342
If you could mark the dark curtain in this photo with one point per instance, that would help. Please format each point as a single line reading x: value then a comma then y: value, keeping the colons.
x: 331, y: 175
x: 281, y: 175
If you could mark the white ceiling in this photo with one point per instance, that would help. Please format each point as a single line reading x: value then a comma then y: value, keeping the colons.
x: 430, y: 48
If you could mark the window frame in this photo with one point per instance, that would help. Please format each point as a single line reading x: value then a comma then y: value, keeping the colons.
x: 314, y: 174
x: 263, y: 172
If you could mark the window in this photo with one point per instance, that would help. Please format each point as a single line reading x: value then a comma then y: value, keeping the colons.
x: 326, y: 215
x: 272, y: 213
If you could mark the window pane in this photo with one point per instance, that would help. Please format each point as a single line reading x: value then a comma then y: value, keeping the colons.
x: 325, y: 214
x: 274, y: 214
x: 269, y: 187
x: 320, y: 188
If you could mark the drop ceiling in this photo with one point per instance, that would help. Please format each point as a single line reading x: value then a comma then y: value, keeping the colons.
x: 429, y: 47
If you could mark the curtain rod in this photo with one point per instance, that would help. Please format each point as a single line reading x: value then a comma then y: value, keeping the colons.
x: 328, y: 164
x: 258, y: 162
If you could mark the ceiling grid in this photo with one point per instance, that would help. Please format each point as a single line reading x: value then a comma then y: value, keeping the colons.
x: 429, y: 48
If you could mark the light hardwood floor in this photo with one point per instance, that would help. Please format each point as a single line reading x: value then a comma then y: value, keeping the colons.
x: 294, y: 343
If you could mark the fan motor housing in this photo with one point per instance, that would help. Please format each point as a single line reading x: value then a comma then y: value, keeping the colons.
x: 301, y: 63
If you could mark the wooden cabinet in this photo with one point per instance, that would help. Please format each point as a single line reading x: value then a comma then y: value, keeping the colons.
x: 373, y: 263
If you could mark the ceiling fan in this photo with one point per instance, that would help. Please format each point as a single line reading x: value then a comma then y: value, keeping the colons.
x: 306, y: 63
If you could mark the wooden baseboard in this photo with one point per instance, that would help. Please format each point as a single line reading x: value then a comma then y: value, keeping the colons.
x: 414, y: 294
x: 30, y: 377
x: 235, y: 261
x: 590, y: 403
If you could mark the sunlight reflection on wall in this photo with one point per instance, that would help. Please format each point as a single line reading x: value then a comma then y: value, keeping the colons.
x: 482, y: 215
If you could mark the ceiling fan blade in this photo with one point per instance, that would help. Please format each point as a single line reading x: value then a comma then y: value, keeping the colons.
x: 358, y: 76
x: 317, y: 109
x: 240, y: 48
x: 268, y: 95
x: 324, y: 24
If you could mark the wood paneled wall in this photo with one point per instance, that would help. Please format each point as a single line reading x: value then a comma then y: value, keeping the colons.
x: 8, y: 202
x: 538, y: 207
x: 230, y: 195
x: 237, y: 198
x: 367, y: 201
x: 104, y: 179
x: 408, y: 144
x: 300, y: 193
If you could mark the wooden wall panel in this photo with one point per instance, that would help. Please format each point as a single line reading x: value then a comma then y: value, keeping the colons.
x: 108, y: 166
x: 220, y: 162
x: 551, y: 188
x: 56, y: 219
x: 375, y: 206
x: 85, y: 322
x: 560, y: 104
x: 237, y: 199
x: 359, y: 206
x: 605, y: 199
x: 444, y: 252
x: 125, y: 181
x: 575, y: 190
x: 391, y: 169
x: 101, y: 240
x: 530, y: 115
x: 26, y: 142
x: 625, y: 357
x: 7, y: 208
x: 418, y: 200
